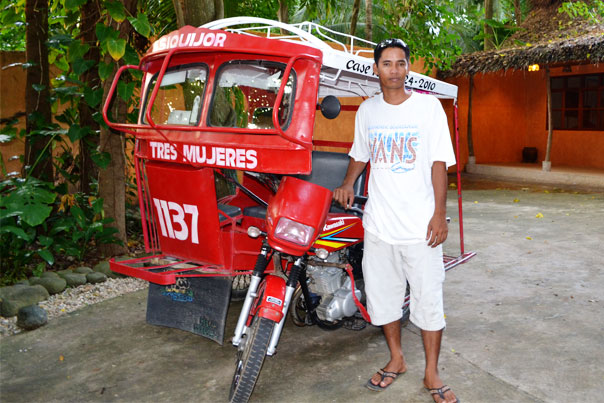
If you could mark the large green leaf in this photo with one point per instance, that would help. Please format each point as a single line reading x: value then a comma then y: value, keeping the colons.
x: 45, y: 240
x: 80, y: 66
x: 141, y: 24
x: 125, y: 90
x: 105, y: 70
x: 47, y: 256
x: 93, y: 97
x: 116, y: 48
x: 116, y: 10
x: 104, y: 32
x: 62, y: 64
x: 30, y: 201
x: 16, y: 231
x: 74, y: 4
x: 130, y: 56
x: 78, y: 213
x: 76, y: 132
x: 77, y: 50
x: 101, y: 159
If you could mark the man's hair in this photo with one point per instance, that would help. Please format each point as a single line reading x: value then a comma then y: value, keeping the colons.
x: 390, y: 43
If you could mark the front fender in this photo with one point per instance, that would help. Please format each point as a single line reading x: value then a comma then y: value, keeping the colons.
x: 271, y: 299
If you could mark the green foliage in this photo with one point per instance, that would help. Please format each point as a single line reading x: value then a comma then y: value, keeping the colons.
x: 426, y: 27
x: 590, y: 10
x: 12, y: 25
x: 501, y: 31
x: 41, y: 223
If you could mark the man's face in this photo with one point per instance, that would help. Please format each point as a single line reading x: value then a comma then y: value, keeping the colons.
x: 392, y: 68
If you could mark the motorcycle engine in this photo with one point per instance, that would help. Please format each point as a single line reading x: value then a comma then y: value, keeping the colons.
x: 334, y: 287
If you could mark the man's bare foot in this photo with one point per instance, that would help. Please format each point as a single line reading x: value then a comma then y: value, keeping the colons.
x: 398, y: 367
x: 440, y: 392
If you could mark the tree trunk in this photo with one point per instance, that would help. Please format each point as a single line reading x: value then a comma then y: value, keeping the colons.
x: 283, y: 15
x: 90, y: 15
x: 356, y: 6
x: 283, y: 12
x: 38, y: 154
x: 197, y: 12
x: 369, y: 20
x: 489, y: 33
x: 112, y: 180
x: 517, y: 12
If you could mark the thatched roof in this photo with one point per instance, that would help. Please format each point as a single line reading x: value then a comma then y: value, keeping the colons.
x: 546, y: 37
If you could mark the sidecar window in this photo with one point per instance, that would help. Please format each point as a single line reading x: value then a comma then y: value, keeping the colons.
x: 246, y: 93
x: 180, y: 95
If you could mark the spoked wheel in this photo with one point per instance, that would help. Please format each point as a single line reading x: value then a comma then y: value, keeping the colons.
x: 250, y: 356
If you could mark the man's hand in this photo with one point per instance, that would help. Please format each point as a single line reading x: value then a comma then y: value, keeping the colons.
x: 437, y: 230
x: 344, y: 195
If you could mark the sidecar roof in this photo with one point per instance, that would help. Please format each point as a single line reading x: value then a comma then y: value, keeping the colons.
x: 347, y: 61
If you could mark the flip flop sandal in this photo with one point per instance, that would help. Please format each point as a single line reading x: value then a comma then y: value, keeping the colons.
x: 384, y: 374
x: 441, y: 392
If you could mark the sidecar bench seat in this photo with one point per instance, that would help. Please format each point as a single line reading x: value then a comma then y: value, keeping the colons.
x: 255, y: 211
x: 328, y: 170
x: 231, y: 211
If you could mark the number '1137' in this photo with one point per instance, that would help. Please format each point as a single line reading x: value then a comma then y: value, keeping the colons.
x: 167, y: 220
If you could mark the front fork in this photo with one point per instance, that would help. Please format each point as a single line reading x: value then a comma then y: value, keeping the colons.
x: 252, y: 294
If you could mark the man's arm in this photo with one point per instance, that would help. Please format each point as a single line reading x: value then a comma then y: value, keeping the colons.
x: 437, y: 227
x: 345, y: 193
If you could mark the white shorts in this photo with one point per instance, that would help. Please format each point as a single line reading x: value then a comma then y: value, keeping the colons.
x: 386, y: 270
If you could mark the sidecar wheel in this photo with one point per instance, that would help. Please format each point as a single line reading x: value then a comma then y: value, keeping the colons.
x: 250, y: 357
x: 239, y: 287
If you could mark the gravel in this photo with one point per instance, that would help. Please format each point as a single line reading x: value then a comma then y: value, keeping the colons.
x: 75, y: 298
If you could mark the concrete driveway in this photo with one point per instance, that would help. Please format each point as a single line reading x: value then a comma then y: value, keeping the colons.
x: 525, y: 323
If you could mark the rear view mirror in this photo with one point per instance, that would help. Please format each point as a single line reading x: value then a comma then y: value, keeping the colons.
x: 330, y: 107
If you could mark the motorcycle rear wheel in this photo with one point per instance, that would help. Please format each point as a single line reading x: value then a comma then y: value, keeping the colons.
x: 250, y: 358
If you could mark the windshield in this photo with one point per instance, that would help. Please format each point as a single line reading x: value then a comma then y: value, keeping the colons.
x: 179, y: 98
x: 246, y: 93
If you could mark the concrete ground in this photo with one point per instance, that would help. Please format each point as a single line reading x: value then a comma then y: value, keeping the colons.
x: 525, y: 323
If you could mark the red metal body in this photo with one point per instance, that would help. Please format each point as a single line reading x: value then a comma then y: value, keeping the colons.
x: 174, y: 162
x: 286, y: 205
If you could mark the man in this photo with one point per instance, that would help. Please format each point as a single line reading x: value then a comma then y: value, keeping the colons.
x: 406, y: 137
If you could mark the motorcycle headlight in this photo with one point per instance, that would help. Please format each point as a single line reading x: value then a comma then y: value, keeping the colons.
x: 293, y: 231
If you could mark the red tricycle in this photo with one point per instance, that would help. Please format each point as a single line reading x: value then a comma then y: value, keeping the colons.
x: 230, y: 183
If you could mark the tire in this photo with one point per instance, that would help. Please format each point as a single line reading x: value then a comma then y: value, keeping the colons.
x: 250, y: 358
x: 239, y: 287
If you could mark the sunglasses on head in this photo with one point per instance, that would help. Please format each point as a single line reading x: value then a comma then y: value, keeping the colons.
x: 391, y: 42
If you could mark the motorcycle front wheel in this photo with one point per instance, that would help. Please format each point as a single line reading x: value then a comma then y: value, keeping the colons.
x: 250, y: 356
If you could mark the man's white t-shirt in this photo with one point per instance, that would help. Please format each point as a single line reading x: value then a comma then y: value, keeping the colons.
x: 401, y: 142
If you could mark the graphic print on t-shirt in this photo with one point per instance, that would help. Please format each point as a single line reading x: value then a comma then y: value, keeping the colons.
x: 394, y: 148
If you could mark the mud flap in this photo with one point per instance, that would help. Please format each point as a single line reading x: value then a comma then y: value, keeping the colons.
x: 197, y: 304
